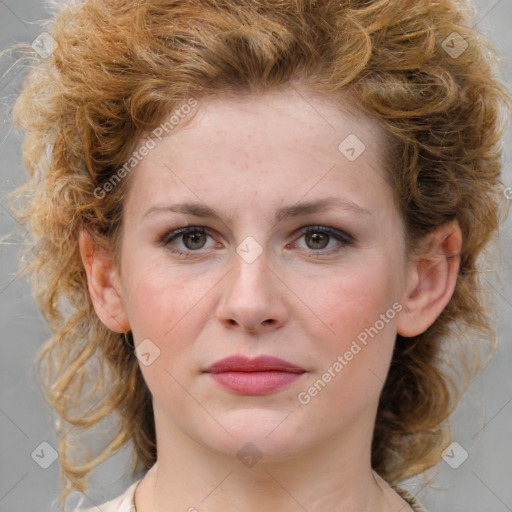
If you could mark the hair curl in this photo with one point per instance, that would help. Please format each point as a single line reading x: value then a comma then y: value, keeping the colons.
x: 121, y: 66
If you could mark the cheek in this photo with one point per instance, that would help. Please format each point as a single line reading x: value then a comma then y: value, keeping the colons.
x: 153, y: 305
x: 354, y: 300
x: 156, y: 296
x: 360, y: 308
x: 164, y: 311
x: 167, y: 307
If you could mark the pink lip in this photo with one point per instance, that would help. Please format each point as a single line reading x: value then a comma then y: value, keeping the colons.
x: 258, y: 376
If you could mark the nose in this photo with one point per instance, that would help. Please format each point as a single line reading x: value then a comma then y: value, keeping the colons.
x: 252, y: 300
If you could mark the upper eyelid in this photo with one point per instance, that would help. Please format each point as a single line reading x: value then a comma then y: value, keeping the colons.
x: 329, y: 230
x: 341, y: 235
x: 179, y: 232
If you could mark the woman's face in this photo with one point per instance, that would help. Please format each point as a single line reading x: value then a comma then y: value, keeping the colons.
x: 293, y: 250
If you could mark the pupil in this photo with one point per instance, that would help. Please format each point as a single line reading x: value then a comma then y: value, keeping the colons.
x: 195, y: 237
x: 316, y: 238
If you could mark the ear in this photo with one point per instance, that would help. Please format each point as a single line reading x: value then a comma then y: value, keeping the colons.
x: 103, y: 283
x: 432, y: 280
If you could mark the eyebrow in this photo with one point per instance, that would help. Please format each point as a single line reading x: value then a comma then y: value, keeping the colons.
x: 296, y: 210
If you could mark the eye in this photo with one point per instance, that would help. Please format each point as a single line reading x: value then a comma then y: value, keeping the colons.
x: 193, y: 239
x: 317, y: 238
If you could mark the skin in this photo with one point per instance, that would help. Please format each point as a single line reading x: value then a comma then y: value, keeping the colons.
x: 247, y: 157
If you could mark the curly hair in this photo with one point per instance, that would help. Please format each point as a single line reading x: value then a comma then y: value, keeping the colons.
x: 120, y: 67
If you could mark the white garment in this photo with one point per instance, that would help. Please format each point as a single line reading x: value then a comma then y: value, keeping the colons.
x: 123, y: 503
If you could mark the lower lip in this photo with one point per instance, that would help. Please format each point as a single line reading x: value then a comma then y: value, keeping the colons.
x: 255, y: 383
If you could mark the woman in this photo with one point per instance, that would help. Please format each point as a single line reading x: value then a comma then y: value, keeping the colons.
x: 256, y: 223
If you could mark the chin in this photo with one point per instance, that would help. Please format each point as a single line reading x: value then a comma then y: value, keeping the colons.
x: 264, y: 433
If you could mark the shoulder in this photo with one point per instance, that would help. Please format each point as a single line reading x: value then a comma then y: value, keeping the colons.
x: 123, y: 503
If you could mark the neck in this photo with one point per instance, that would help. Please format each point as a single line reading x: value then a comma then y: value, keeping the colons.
x: 334, y: 475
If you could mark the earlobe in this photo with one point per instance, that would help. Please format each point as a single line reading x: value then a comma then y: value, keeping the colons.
x: 433, y: 279
x: 103, y: 283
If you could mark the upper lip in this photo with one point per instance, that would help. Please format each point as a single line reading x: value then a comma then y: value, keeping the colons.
x: 258, y: 364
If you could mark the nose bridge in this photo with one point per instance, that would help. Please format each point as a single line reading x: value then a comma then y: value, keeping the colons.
x: 252, y: 299
x: 251, y: 277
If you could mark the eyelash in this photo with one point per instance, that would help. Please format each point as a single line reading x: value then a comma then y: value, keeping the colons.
x: 345, y: 239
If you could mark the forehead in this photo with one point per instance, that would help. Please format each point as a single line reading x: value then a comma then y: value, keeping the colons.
x: 270, y: 147
x: 307, y: 117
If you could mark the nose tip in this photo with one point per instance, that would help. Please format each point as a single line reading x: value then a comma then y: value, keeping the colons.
x: 250, y: 301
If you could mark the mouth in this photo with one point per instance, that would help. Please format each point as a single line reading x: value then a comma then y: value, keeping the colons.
x: 259, y: 376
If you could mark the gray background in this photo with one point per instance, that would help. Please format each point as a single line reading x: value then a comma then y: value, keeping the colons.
x: 481, y: 424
